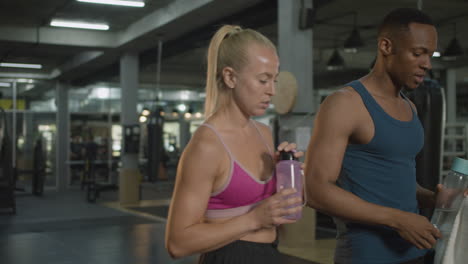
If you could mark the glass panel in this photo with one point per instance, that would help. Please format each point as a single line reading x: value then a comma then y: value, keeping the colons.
x: 100, y: 133
x: 30, y: 113
x: 35, y: 130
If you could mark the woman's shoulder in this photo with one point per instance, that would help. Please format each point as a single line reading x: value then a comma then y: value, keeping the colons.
x: 204, y: 134
x: 203, y: 148
x: 204, y: 142
x: 263, y: 128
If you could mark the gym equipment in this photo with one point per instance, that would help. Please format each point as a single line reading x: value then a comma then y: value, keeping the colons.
x: 94, y: 188
x: 7, y: 179
x: 39, y: 169
x: 155, y: 145
x: 429, y: 101
x: 38, y: 172
x: 89, y: 181
x: 286, y: 93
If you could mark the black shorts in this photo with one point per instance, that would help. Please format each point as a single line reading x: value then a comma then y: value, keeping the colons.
x: 428, y: 258
x: 243, y: 252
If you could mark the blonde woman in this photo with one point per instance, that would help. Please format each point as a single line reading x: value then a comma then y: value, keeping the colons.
x: 225, y: 206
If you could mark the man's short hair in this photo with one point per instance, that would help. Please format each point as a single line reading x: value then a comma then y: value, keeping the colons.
x: 399, y: 20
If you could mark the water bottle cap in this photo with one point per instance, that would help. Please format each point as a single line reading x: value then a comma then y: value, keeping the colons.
x: 287, y: 155
x: 460, y: 165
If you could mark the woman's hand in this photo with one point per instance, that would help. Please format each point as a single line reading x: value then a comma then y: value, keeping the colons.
x: 286, y: 146
x: 271, y: 211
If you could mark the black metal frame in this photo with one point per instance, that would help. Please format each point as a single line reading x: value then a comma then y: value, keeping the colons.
x: 7, y: 178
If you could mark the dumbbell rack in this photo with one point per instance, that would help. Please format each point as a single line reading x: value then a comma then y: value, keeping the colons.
x: 455, y: 144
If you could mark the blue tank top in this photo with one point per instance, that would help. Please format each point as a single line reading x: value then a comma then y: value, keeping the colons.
x: 381, y: 172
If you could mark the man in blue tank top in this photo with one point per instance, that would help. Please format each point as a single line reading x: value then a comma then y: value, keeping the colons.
x: 360, y: 165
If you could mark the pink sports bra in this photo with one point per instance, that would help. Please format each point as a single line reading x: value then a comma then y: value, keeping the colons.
x: 242, y: 191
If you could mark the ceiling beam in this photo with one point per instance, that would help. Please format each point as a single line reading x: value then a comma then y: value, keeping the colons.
x: 58, y: 36
x: 15, y: 75
x: 139, y: 36
x: 170, y: 23
x: 193, y: 29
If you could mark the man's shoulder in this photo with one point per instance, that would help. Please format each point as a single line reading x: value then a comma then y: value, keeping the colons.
x: 342, y: 110
x: 343, y: 98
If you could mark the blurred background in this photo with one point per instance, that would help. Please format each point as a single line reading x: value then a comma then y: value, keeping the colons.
x: 100, y: 100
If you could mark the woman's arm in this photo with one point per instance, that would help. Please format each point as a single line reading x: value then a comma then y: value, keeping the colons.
x: 186, y: 233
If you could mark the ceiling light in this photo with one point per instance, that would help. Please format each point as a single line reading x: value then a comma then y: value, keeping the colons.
x: 24, y: 80
x: 4, y: 84
x: 353, y: 42
x: 116, y: 2
x: 143, y: 119
x: 184, y: 95
x: 78, y: 24
x: 145, y: 112
x: 436, y: 54
x: 453, y: 50
x: 335, y: 62
x: 20, y: 65
x: 181, y: 107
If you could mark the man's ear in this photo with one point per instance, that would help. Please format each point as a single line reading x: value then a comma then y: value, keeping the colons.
x: 229, y: 77
x: 386, y: 46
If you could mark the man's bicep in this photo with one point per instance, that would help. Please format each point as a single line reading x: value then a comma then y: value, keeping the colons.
x: 332, y: 129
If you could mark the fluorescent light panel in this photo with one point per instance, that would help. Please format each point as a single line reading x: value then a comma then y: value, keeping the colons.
x: 20, y: 65
x: 4, y: 84
x: 116, y: 2
x: 78, y: 24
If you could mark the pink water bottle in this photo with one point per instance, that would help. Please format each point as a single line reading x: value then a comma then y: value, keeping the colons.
x: 289, y: 175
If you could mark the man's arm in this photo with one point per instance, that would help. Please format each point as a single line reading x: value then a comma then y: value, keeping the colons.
x: 334, y: 125
x: 426, y: 198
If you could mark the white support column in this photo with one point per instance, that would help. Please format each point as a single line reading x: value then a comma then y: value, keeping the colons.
x: 295, y: 47
x: 451, y: 95
x: 184, y: 131
x: 129, y: 178
x: 295, y: 51
x: 62, y: 146
x: 296, y: 56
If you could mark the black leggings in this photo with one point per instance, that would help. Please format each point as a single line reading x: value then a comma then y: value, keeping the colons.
x: 243, y: 252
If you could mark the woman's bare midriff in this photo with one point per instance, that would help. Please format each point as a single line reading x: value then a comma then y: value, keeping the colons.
x: 265, y: 235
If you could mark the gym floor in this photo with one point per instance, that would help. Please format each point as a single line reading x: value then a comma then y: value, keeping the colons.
x: 63, y: 228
